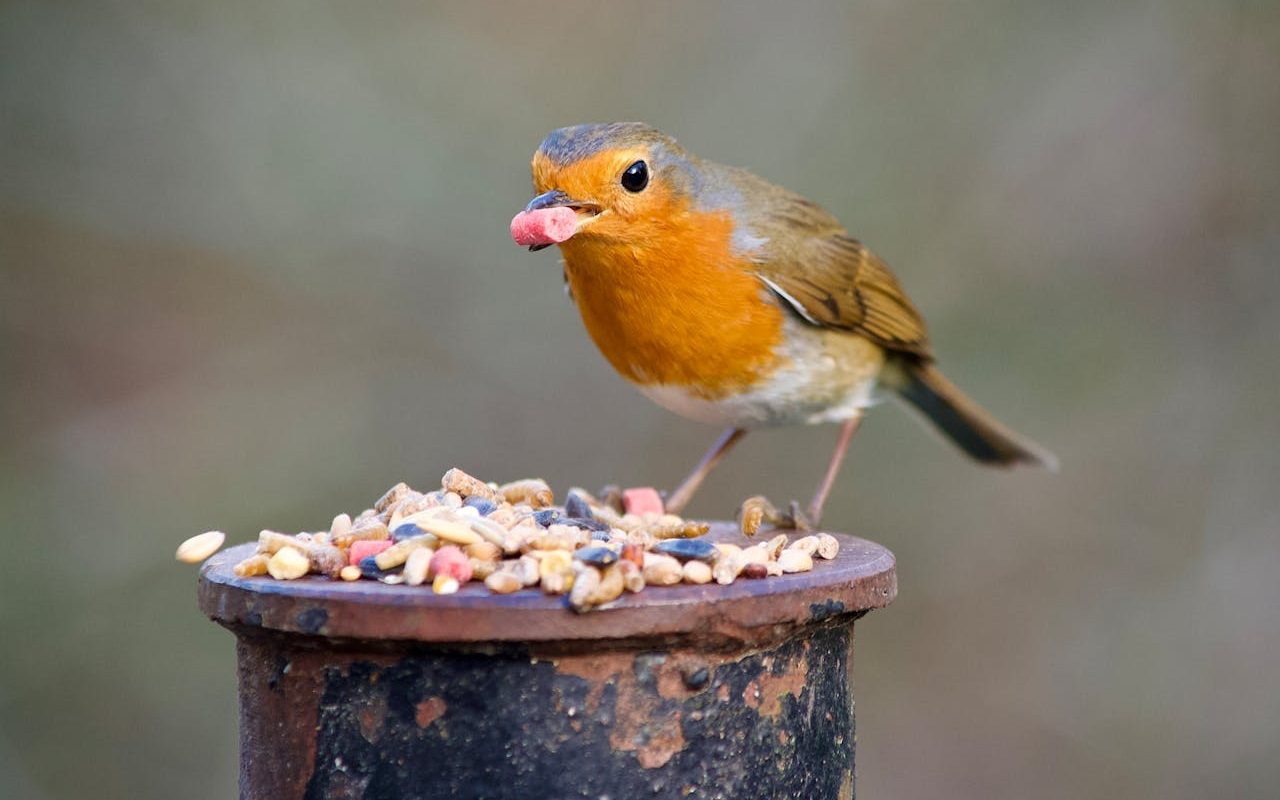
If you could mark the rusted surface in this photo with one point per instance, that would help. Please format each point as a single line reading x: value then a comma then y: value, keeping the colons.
x: 380, y: 692
x: 862, y: 577
x: 514, y: 723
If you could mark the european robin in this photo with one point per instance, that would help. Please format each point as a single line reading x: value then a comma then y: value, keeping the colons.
x: 733, y: 301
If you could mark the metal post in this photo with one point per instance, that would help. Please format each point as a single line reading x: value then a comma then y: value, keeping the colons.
x: 360, y: 690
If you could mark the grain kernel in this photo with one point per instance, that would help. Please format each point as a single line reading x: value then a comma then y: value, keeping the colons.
x: 483, y: 551
x: 482, y: 569
x: 755, y: 570
x: 727, y: 549
x: 660, y: 570
x: 586, y: 580
x: 350, y: 573
x: 555, y: 561
x: 696, y: 572
x: 776, y: 545
x: 680, y: 530
x: 805, y: 544
x: 340, y: 526
x: 464, y: 485
x: 392, y: 496
x: 445, y: 584
x: 416, y: 566
x: 756, y: 554
x: 370, y: 530
x: 728, y: 567
x: 200, y: 547
x: 527, y: 569
x: 503, y: 582
x: 632, y: 576
x: 287, y: 564
x: 533, y: 491
x: 399, y: 553
x: 271, y: 541
x: 610, y: 586
x: 795, y: 561
x: 492, y: 532
x: 325, y: 559
x: 450, y: 531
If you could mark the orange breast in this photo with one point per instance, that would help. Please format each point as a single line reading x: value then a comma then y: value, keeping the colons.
x: 673, y: 305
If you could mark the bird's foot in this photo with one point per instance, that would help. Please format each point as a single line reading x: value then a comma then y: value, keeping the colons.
x: 758, y: 511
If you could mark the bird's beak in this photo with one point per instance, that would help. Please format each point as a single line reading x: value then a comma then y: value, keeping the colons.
x: 559, y: 199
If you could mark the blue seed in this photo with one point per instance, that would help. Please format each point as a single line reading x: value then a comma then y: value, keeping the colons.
x: 687, y: 549
x: 596, y: 556
x: 481, y: 504
x: 406, y: 531
x: 575, y: 506
x: 584, y: 522
x: 546, y: 516
x: 369, y: 567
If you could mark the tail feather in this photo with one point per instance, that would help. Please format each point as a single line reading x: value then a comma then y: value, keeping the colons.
x: 965, y: 422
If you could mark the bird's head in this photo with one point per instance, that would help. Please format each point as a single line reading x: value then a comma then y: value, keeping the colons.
x: 604, y: 183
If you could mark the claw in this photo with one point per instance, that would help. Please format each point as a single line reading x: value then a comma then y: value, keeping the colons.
x: 758, y: 511
x: 794, y: 518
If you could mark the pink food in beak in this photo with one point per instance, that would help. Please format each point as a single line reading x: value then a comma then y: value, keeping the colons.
x: 544, y: 226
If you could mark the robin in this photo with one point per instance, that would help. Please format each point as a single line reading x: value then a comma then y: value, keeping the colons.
x: 732, y: 301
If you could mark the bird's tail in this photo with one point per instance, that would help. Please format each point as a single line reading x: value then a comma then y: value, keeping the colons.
x: 963, y: 421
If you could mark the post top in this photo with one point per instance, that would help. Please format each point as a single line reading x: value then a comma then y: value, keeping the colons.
x: 861, y: 577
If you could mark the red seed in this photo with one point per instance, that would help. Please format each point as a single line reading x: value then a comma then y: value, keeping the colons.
x: 634, y: 553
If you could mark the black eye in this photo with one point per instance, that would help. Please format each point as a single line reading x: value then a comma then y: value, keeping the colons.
x: 636, y: 177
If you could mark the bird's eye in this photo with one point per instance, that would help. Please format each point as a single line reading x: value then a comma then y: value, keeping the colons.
x: 636, y: 177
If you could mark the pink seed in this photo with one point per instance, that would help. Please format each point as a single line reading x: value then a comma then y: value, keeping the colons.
x: 363, y: 548
x: 544, y: 226
x: 642, y: 500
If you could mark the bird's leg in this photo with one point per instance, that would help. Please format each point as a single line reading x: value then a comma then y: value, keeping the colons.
x: 680, y: 498
x: 837, y: 458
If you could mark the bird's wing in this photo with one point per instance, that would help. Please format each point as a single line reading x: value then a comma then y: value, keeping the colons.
x: 836, y: 282
x: 810, y: 262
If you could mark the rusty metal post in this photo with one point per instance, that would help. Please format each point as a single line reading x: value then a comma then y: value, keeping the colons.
x: 360, y: 690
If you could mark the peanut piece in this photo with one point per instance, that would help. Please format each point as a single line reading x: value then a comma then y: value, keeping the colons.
x: 252, y: 566
x: 287, y: 564
x: 697, y: 572
x: 795, y: 561
x: 200, y: 547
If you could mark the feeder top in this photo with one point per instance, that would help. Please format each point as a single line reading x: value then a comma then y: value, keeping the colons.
x: 861, y: 577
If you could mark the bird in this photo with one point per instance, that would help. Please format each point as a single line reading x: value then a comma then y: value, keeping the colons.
x: 732, y: 301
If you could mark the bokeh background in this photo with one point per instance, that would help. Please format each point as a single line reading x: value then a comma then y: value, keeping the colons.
x: 254, y: 269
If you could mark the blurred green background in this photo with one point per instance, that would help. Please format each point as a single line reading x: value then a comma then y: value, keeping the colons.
x: 254, y: 269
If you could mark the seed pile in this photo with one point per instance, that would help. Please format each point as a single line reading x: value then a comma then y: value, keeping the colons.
x: 513, y: 536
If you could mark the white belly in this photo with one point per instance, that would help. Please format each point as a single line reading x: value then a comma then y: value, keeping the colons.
x: 829, y: 377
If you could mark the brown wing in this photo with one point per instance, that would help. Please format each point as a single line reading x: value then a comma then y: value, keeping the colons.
x: 834, y: 281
